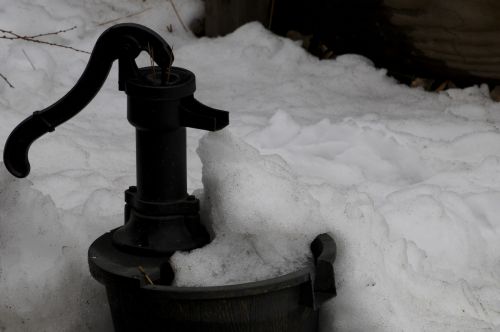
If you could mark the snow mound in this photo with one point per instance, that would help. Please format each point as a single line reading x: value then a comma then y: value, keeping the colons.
x: 262, y: 217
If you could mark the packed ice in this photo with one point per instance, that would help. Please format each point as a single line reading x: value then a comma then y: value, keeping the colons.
x: 406, y: 181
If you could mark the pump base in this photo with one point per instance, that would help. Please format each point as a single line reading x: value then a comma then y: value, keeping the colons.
x: 141, y: 298
x: 160, y: 228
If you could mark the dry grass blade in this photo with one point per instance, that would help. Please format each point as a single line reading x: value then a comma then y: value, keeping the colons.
x: 178, y: 16
x: 29, y: 60
x: 6, y: 80
x: 146, y: 276
x: 271, y: 14
x: 127, y: 16
x: 151, y: 60
x: 169, y: 68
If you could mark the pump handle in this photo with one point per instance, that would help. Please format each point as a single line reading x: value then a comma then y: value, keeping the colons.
x: 121, y: 42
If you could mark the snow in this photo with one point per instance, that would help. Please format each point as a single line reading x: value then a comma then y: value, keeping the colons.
x: 262, y: 218
x: 406, y: 181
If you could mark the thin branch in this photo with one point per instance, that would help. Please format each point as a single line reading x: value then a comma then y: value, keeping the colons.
x: 178, y: 16
x: 6, y: 80
x: 29, y: 60
x: 10, y: 35
x: 53, y: 44
x: 127, y: 16
x: 17, y: 36
x: 53, y: 33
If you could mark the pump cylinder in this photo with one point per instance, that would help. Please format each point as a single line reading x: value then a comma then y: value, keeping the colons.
x: 161, y: 165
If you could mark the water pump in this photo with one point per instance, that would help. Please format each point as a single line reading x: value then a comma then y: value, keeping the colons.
x: 161, y: 218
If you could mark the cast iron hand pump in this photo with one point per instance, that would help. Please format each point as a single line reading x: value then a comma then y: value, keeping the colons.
x: 160, y: 216
x: 132, y: 261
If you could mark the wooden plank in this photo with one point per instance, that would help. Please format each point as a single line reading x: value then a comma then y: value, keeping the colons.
x: 225, y: 16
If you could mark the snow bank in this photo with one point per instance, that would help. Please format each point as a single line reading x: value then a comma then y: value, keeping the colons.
x: 407, y: 181
x: 42, y: 262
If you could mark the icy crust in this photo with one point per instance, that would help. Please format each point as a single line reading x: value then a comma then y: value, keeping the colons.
x: 261, y: 217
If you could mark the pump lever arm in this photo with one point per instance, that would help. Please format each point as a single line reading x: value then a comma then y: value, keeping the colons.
x: 123, y: 42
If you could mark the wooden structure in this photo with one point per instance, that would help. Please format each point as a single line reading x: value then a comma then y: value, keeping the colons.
x: 457, y: 40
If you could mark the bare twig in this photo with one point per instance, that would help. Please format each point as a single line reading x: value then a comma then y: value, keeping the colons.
x: 52, y: 44
x: 178, y: 16
x: 6, y: 80
x: 146, y: 276
x: 13, y: 36
x: 53, y: 33
x: 29, y: 60
x: 17, y: 36
x: 121, y: 18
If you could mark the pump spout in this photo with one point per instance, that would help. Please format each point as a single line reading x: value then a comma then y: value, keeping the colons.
x: 196, y: 115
